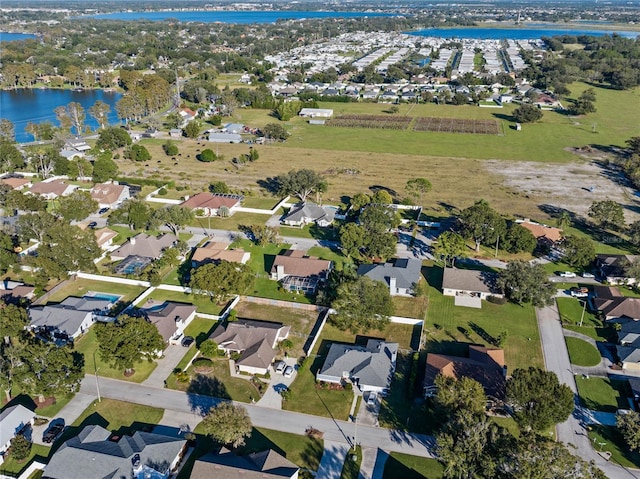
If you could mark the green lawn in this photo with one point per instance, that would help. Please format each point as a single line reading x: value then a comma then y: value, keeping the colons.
x: 601, y: 394
x: 411, y: 467
x: 260, y: 202
x: 80, y: 287
x: 121, y: 417
x: 200, y: 301
x: 15, y: 468
x: 232, y: 223
x: 608, y: 438
x: 87, y: 344
x: 351, y: 466
x: 449, y: 328
x: 571, y: 309
x: 582, y: 353
x: 410, y: 307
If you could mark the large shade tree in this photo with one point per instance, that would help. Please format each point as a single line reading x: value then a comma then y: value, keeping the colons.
x: 362, y: 304
x: 227, y: 424
x: 524, y: 282
x: 301, y: 183
x: 483, y: 224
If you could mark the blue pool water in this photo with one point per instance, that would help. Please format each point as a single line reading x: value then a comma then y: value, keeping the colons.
x: 12, y: 37
x: 114, y: 298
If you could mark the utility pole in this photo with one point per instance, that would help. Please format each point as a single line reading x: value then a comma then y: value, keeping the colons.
x: 95, y: 367
x: 584, y: 306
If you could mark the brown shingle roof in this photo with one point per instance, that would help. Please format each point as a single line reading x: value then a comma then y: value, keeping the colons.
x: 107, y: 193
x: 145, y: 245
x: 209, y: 200
x: 295, y: 263
x: 214, y: 252
x: 165, y: 318
x: 57, y: 187
x: 15, y: 183
x: 259, y: 465
x: 104, y: 234
x: 548, y: 233
x: 618, y: 307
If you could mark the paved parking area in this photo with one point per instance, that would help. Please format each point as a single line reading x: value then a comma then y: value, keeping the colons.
x: 368, y: 413
x: 172, y: 355
x: 278, y: 382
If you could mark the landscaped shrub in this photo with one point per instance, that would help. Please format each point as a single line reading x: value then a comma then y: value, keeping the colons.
x: 162, y: 191
x: 203, y: 365
x: 20, y: 447
x: 496, y: 300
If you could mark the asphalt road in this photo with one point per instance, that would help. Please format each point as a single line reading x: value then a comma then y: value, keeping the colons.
x: 571, y: 432
x: 285, y: 421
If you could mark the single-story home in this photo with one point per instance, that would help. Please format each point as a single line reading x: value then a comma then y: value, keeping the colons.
x: 171, y: 318
x: 401, y: 275
x: 50, y: 190
x: 110, y: 195
x: 629, y: 357
x: 214, y: 252
x: 612, y: 267
x: 257, y: 465
x: 12, y: 291
x: 299, y: 272
x: 465, y: 282
x: 629, y: 334
x: 144, y: 245
x: 308, y: 212
x: 13, y: 421
x: 613, y: 306
x: 546, y: 235
x: 16, y: 183
x: 253, y: 340
x: 94, y: 452
x: 71, y: 317
x: 370, y: 368
x: 210, y: 203
x: 104, y: 237
x: 485, y: 365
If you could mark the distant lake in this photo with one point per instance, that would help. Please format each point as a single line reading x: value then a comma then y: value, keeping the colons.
x: 523, y: 33
x: 12, y: 37
x: 36, y: 106
x: 233, y: 16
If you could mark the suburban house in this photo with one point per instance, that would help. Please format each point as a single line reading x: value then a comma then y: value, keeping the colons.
x: 170, y: 318
x: 257, y: 465
x: 50, y: 190
x: 253, y: 340
x: 214, y: 252
x: 104, y: 237
x: 485, y: 365
x: 611, y: 267
x: 16, y: 183
x: 628, y: 350
x: 13, y: 421
x: 145, y: 246
x: 299, y: 272
x: 401, y: 275
x: 110, y: 195
x: 613, y: 306
x: 546, y: 235
x: 71, y: 317
x: 465, y: 282
x: 210, y: 203
x: 95, y: 453
x: 307, y: 212
x: 12, y: 291
x: 74, y: 149
x: 369, y: 368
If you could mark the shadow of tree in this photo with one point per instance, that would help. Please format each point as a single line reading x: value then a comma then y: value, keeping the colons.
x: 270, y: 184
x: 205, y: 385
x: 480, y: 331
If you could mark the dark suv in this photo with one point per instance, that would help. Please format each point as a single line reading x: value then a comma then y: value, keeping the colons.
x: 52, y: 433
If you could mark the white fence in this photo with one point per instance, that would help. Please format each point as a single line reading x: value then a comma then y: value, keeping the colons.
x: 264, y: 212
x: 111, y: 279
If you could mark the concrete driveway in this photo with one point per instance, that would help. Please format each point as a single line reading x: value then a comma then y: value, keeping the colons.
x: 67, y: 415
x: 272, y: 398
x: 368, y: 413
x: 166, y: 364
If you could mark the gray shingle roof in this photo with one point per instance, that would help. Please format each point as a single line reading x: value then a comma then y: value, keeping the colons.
x: 372, y: 364
x: 260, y: 465
x: 470, y: 280
x: 405, y: 271
x: 13, y: 420
x: 145, y: 245
x: 309, y: 211
x: 91, y: 454
x: 68, y: 315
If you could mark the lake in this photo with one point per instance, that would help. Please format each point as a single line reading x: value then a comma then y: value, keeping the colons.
x: 12, y: 37
x: 233, y: 16
x: 34, y: 105
x: 513, y: 33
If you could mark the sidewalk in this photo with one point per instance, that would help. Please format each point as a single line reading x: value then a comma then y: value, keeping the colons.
x: 333, y: 459
x: 373, y: 461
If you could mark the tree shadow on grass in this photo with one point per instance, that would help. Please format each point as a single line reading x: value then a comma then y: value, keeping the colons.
x: 480, y: 331
x: 270, y: 184
x: 204, y: 392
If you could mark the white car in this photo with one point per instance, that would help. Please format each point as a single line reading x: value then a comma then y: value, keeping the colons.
x: 588, y: 275
x: 288, y: 372
x: 371, y: 400
x: 280, y: 367
x: 568, y: 274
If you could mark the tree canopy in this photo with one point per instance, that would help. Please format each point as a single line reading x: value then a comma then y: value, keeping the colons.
x: 628, y: 423
x: 524, y: 282
x: 483, y: 224
x: 174, y: 217
x: 538, y: 398
x: 221, y: 281
x: 301, y: 183
x: 362, y: 304
x: 578, y: 251
x: 607, y: 214
x: 76, y: 206
x: 112, y: 138
x: 227, y: 424
x: 527, y: 114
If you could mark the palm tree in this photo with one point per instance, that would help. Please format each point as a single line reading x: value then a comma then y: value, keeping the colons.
x: 564, y: 220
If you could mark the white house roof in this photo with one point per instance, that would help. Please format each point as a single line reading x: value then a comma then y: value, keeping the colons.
x: 12, y: 420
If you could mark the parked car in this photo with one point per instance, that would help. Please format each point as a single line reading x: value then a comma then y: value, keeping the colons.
x: 579, y: 292
x: 568, y: 274
x: 371, y: 400
x: 280, y: 367
x: 288, y: 372
x: 93, y: 224
x: 103, y: 210
x: 187, y: 341
x: 52, y: 433
x: 588, y: 275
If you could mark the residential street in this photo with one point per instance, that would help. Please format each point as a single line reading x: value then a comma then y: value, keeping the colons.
x: 286, y: 421
x: 556, y: 358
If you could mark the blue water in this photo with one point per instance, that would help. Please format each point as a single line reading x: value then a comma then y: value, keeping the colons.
x: 114, y: 298
x: 523, y: 33
x: 12, y: 37
x: 33, y: 105
x: 232, y: 16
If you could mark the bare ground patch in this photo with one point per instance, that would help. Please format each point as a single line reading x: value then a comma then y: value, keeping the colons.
x: 572, y: 186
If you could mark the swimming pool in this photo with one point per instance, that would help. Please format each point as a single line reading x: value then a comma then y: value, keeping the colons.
x: 114, y: 298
